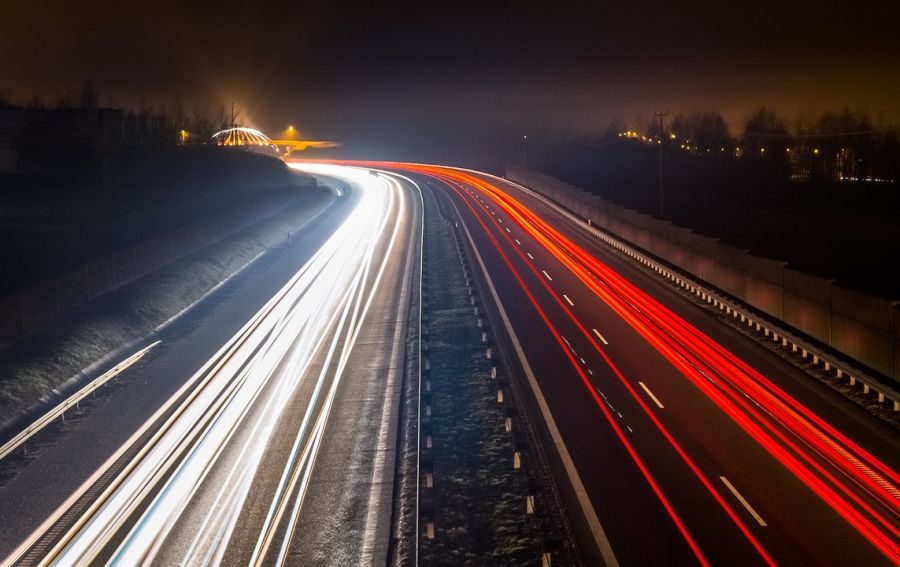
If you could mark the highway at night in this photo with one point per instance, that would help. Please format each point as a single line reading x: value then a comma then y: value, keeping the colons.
x: 678, y: 439
x: 672, y: 438
x: 395, y: 284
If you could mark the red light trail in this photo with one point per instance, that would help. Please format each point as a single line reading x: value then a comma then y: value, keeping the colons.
x: 814, y: 451
x: 698, y: 356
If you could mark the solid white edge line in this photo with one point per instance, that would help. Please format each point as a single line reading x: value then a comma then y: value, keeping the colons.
x: 419, y: 369
x: 599, y: 336
x: 743, y: 501
x: 652, y: 397
x: 600, y: 538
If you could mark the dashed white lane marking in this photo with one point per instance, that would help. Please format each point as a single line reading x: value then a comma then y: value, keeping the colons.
x: 517, y: 242
x: 587, y: 508
x: 546, y: 275
x: 649, y: 393
x: 507, y: 229
x: 599, y: 336
x: 529, y: 255
x: 746, y: 504
x: 569, y: 301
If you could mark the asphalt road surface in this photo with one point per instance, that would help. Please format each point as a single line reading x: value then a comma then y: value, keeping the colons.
x: 675, y: 438
x: 265, y: 432
x: 678, y: 439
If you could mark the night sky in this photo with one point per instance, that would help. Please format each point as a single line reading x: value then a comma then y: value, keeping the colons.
x: 369, y: 73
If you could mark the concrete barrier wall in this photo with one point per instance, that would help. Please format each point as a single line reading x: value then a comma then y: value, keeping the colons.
x: 896, y: 333
x: 861, y: 326
x: 807, y: 304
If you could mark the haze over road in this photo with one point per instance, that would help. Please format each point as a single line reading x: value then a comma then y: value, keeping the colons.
x: 295, y: 413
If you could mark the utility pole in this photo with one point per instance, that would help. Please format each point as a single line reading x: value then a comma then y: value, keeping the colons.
x: 661, y: 114
x: 525, y: 150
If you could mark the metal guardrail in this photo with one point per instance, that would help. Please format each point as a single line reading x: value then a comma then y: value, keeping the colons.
x: 799, y: 345
x: 60, y: 409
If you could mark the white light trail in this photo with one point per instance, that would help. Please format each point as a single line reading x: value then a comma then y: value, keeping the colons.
x: 239, y: 398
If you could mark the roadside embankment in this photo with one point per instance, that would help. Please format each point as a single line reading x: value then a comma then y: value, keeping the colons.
x: 37, y: 366
x: 63, y: 244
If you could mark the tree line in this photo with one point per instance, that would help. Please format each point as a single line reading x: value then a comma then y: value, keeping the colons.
x: 145, y: 125
x: 832, y: 146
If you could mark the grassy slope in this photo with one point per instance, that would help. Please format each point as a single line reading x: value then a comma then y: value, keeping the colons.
x: 43, y: 362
